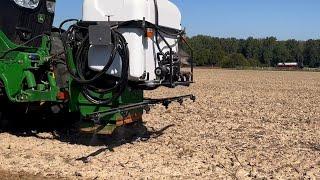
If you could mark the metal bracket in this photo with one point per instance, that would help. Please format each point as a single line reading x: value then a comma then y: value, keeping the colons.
x: 100, y: 35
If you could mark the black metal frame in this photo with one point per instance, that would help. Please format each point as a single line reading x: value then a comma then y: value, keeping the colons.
x: 192, y: 56
x: 173, y: 84
x: 145, y: 105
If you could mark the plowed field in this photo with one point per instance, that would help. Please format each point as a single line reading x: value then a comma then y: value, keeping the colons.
x: 244, y: 125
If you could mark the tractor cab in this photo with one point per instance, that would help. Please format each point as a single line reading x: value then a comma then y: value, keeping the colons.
x: 23, y: 20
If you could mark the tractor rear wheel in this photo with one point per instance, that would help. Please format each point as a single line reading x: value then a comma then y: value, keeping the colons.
x: 3, y: 121
x: 4, y: 113
x: 3, y: 105
x: 11, y: 115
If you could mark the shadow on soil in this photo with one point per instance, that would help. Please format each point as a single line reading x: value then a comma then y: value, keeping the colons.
x: 58, y: 129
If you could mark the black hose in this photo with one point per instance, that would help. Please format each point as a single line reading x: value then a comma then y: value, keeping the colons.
x: 158, y: 29
x: 156, y: 10
x: 88, y: 89
x: 120, y: 87
x: 80, y: 56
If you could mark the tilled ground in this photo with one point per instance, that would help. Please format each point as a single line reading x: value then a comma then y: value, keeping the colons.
x: 244, y: 125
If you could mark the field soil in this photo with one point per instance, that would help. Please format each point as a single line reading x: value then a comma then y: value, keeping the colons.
x: 244, y: 125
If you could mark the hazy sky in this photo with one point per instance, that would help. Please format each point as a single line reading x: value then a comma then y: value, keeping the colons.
x: 284, y: 19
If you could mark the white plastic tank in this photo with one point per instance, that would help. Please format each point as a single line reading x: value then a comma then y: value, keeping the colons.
x: 143, y: 50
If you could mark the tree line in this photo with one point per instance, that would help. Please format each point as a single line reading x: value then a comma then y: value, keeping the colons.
x: 266, y: 52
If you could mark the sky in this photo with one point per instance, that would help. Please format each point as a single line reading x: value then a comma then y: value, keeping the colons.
x: 284, y: 19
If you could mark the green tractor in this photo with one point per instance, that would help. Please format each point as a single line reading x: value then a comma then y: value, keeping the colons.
x: 97, y: 67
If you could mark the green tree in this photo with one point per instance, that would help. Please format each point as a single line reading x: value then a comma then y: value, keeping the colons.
x: 252, y: 49
x: 234, y: 60
x: 312, y: 54
x: 254, y: 52
x: 267, y: 50
x: 280, y: 54
x: 295, y: 51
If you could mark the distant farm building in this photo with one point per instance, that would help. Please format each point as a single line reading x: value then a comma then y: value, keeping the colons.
x: 289, y: 65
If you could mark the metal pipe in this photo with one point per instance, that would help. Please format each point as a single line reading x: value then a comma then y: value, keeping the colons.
x: 191, y: 51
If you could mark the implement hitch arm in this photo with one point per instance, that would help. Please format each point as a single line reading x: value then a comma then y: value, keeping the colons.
x: 123, y: 110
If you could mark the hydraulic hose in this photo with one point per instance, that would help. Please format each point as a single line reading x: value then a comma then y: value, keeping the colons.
x: 158, y: 29
x: 156, y: 10
x: 88, y: 89
x: 80, y: 55
x: 120, y: 87
x: 21, y: 45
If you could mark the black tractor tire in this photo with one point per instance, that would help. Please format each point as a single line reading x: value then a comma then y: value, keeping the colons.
x: 10, y: 116
x: 3, y: 107
x: 4, y: 122
x: 59, y: 60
